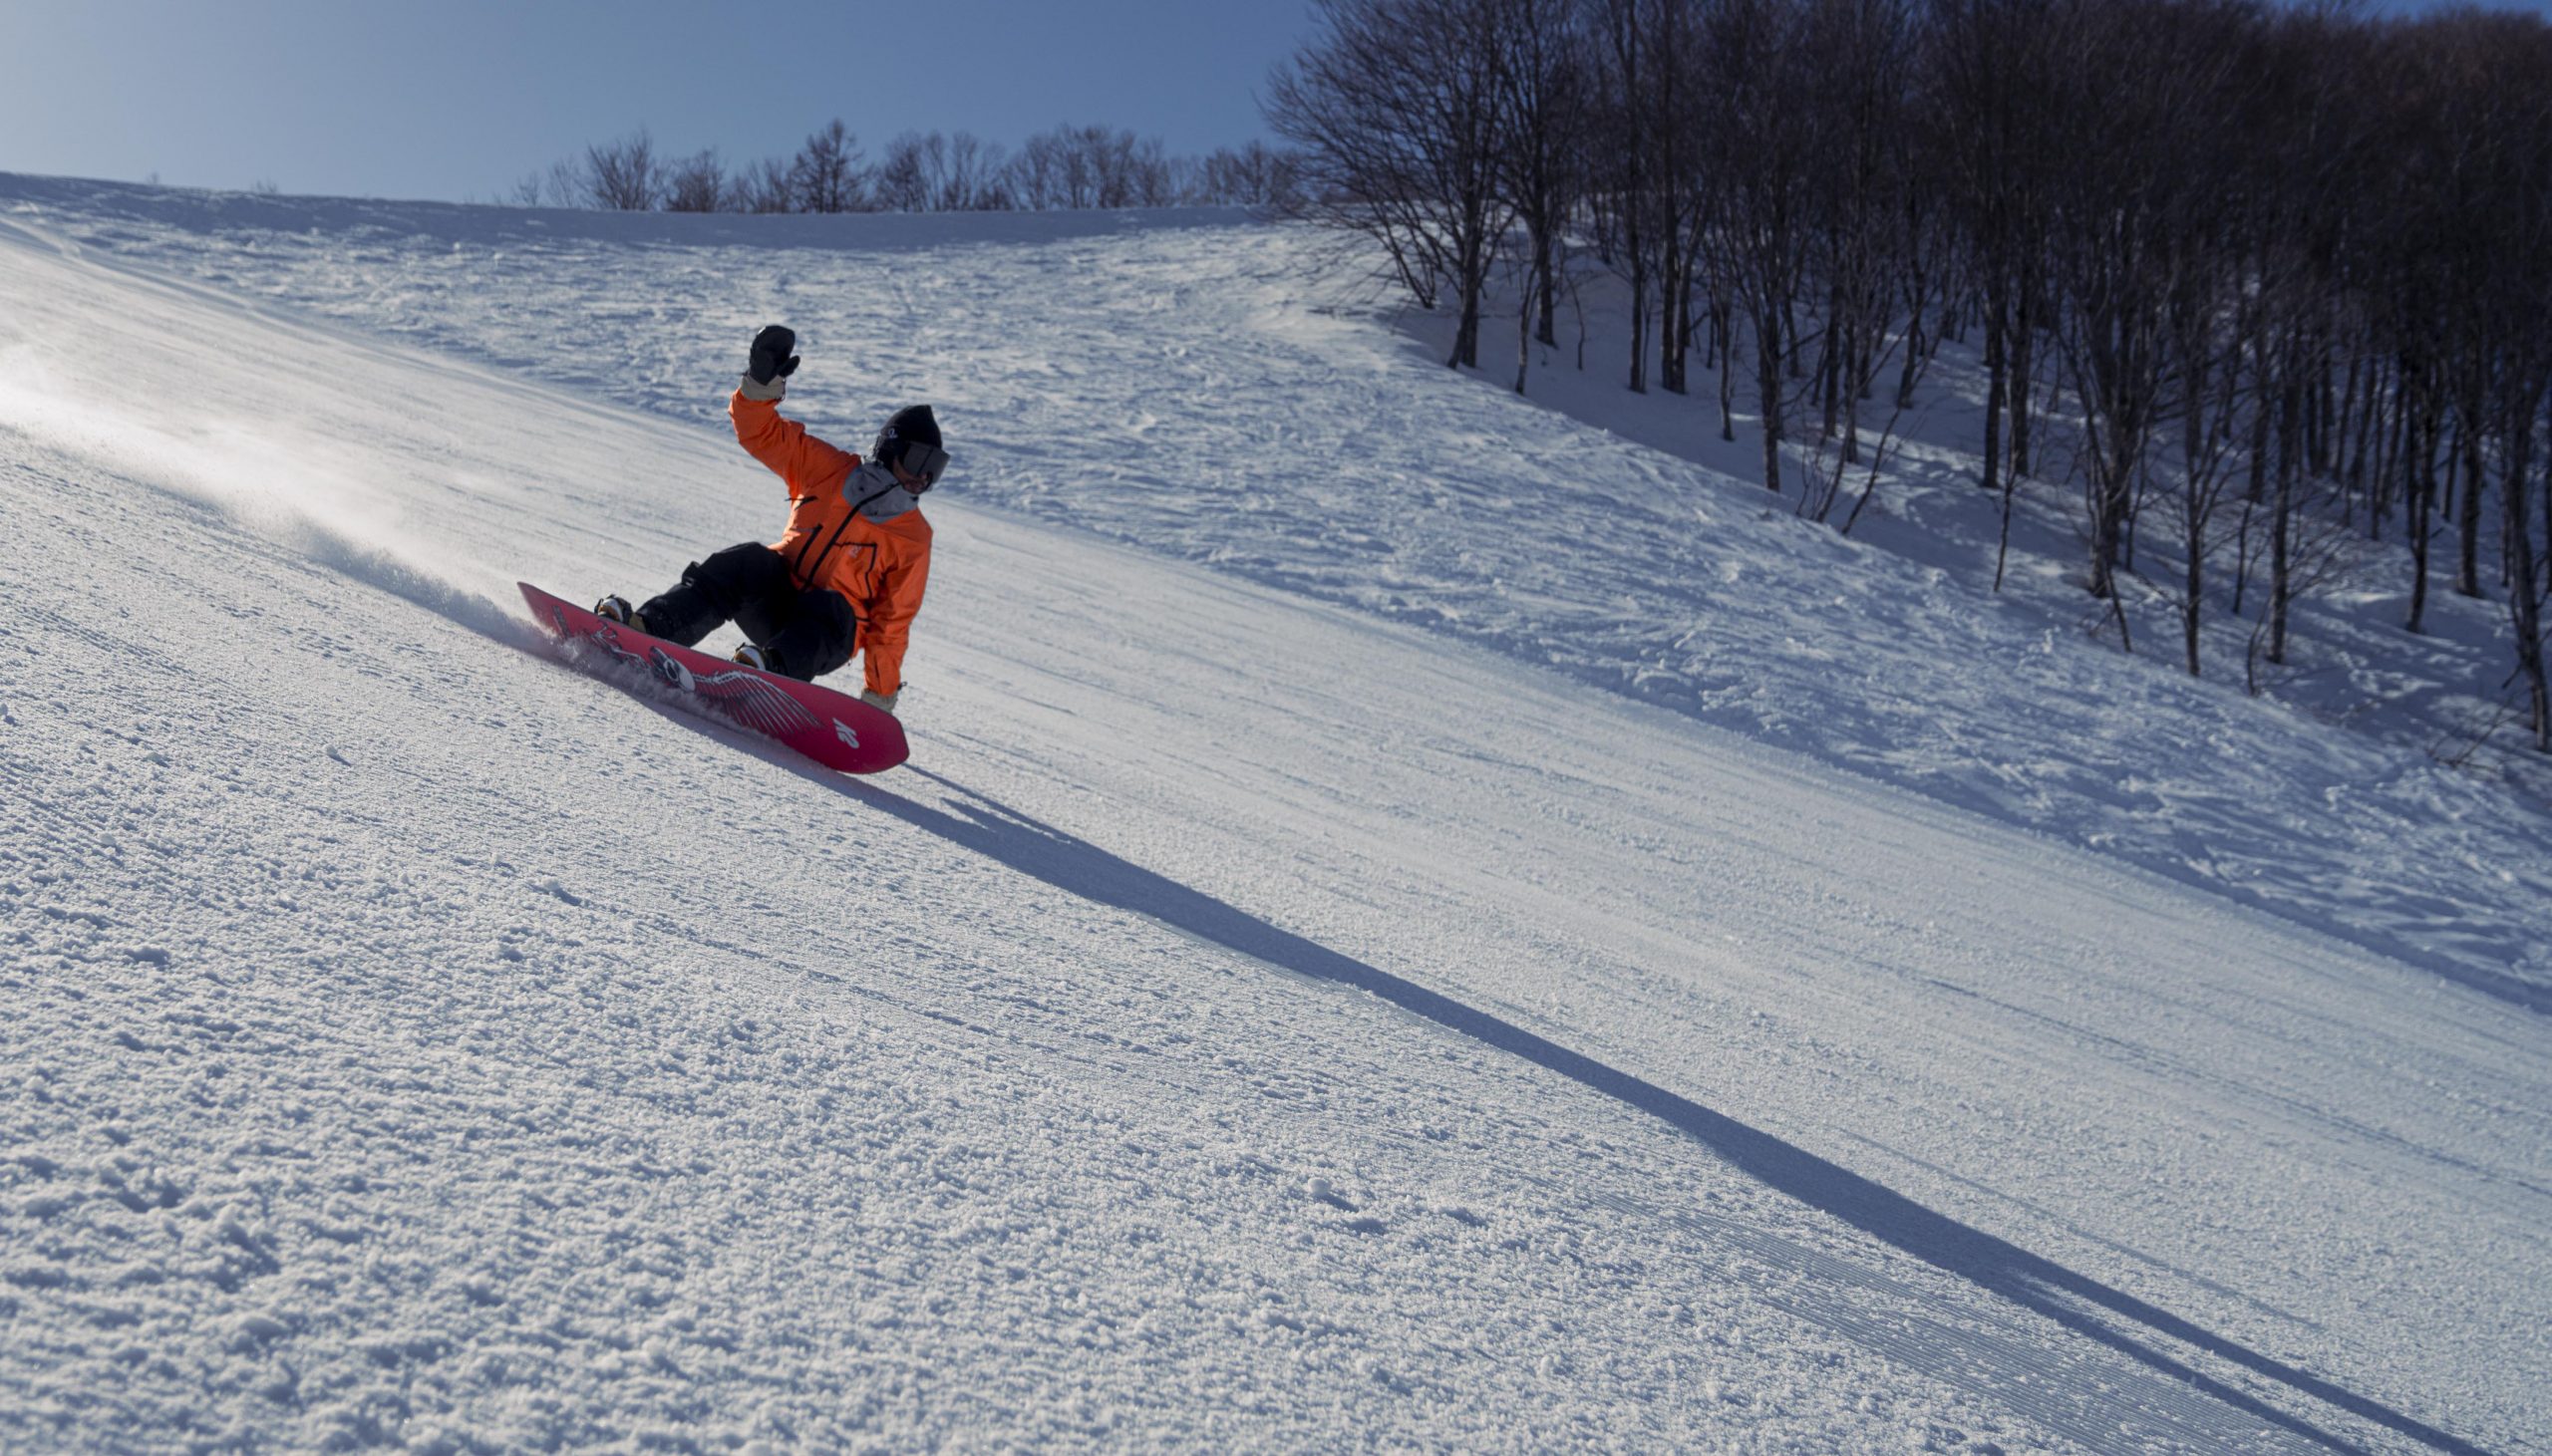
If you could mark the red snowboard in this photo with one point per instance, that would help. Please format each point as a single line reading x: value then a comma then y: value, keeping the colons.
x: 836, y: 731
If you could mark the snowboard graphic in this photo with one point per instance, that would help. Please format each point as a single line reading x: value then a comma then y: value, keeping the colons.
x: 834, y: 730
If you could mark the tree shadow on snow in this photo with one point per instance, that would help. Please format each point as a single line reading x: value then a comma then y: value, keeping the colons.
x: 2109, y: 1317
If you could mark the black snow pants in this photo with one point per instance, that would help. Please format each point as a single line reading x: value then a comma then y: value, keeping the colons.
x: 805, y: 634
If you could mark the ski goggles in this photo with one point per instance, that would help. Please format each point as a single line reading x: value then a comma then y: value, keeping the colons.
x: 928, y: 461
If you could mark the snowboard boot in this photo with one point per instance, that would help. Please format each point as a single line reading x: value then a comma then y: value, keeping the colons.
x: 754, y: 656
x: 616, y: 608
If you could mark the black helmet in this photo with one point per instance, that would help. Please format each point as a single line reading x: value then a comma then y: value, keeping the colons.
x: 911, y: 439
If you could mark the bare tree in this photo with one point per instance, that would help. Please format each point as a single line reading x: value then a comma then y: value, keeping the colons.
x: 624, y: 175
x: 1396, y: 109
x: 1626, y: 170
x: 763, y: 187
x: 1096, y: 166
x: 826, y: 175
x: 1864, y: 200
x: 697, y: 184
x: 1990, y: 87
x: 2203, y: 412
x: 1542, y: 81
x: 1255, y: 175
x: 1040, y: 175
x: 1754, y: 66
x: 968, y: 176
x: 2151, y: 91
x: 1073, y: 167
x: 900, y: 183
x: 1151, y: 177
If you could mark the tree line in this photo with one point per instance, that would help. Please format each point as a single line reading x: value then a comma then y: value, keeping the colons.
x: 916, y: 171
x: 2285, y: 271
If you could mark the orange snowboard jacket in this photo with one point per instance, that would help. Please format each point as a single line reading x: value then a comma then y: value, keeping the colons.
x: 879, y: 567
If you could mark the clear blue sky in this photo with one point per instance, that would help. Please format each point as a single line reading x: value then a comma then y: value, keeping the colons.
x: 460, y: 98
x: 453, y: 98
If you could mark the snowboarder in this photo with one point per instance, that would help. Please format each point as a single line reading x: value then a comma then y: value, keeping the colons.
x: 847, y: 575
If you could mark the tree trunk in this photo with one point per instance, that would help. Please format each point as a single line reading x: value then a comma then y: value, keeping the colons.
x: 2468, y: 570
x: 2390, y: 465
x: 1853, y: 406
x: 2259, y: 478
x: 1472, y: 259
x: 2525, y: 600
x: 1829, y: 366
x: 1638, y: 319
x: 2195, y: 605
x: 2535, y: 638
x: 1523, y: 334
x: 1767, y: 385
x: 2335, y: 453
x: 2321, y: 409
x: 1723, y: 328
x: 2365, y: 417
x: 2106, y: 518
x: 2242, y: 557
x: 1995, y: 370
x: 1676, y: 345
x: 1544, y: 267
x: 1467, y: 333
x: 2020, y: 345
x: 2282, y: 524
x: 2194, y: 491
x: 1913, y: 352
x: 1997, y: 377
x: 2420, y: 489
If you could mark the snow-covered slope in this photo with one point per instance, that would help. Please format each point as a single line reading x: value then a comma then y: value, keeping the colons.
x: 1250, y: 1020
x: 1189, y: 384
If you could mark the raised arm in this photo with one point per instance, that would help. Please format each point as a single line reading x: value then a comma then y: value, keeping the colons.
x: 807, y: 463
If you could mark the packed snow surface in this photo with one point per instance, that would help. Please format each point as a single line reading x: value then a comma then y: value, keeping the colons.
x: 1288, y: 1000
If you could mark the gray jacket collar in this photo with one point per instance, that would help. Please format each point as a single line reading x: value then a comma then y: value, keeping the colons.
x: 874, y: 488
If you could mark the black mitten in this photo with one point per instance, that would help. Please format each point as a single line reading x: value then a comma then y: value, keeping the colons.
x: 770, y: 358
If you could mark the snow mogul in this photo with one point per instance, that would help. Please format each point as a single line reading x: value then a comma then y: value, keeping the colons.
x: 846, y: 577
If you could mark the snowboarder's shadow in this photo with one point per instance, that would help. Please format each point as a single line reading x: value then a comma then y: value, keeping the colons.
x: 2109, y: 1317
